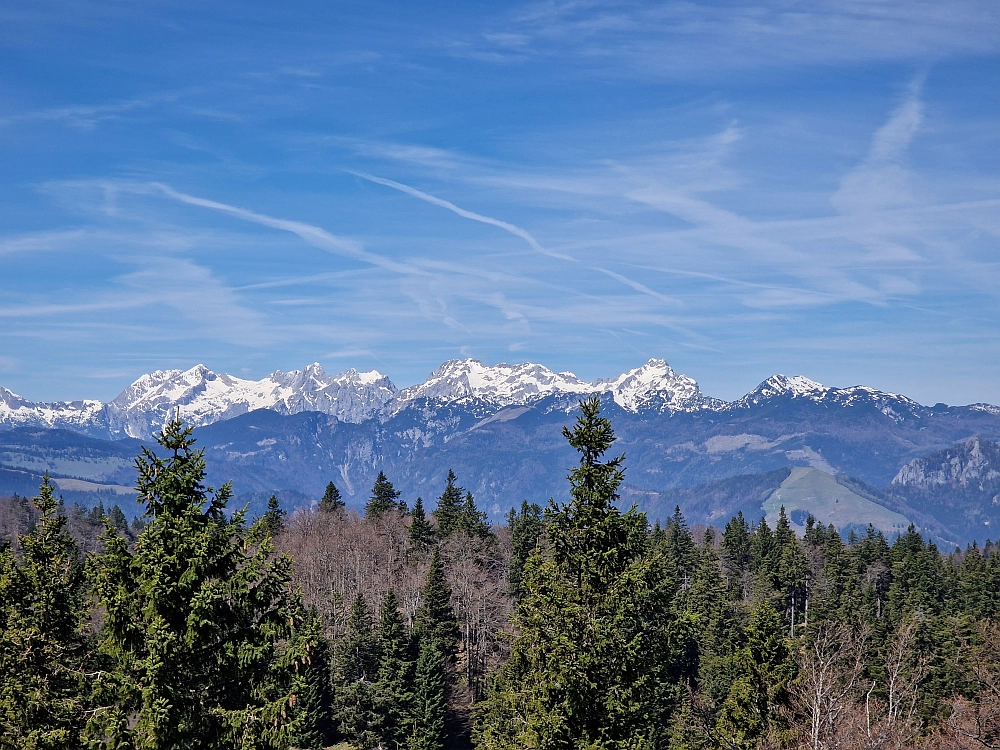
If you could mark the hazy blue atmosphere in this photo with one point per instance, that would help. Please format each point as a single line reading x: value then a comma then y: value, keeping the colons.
x: 740, y: 188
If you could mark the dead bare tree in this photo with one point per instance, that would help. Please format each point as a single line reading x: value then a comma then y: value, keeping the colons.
x: 831, y: 667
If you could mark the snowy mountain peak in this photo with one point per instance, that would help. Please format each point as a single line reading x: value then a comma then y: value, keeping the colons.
x: 460, y: 380
x: 795, y: 386
x: 202, y: 397
x: 16, y: 411
x: 653, y: 385
x: 656, y: 385
x: 894, y: 406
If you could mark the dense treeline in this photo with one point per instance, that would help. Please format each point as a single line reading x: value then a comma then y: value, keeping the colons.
x: 575, y: 625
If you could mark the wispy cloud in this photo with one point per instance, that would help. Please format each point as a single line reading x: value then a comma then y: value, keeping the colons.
x: 883, y: 180
x: 465, y: 214
x: 685, y: 40
x: 313, y: 235
x: 90, y: 115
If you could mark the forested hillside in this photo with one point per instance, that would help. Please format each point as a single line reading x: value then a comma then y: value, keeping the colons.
x: 417, y: 624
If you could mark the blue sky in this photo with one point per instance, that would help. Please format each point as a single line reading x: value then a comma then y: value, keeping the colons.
x: 741, y: 188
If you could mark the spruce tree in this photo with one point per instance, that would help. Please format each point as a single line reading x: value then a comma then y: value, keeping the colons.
x: 736, y: 555
x: 331, y: 499
x: 199, y: 628
x: 599, y: 656
x: 43, y: 654
x: 525, y: 529
x: 435, y: 619
x: 474, y: 522
x: 448, y: 513
x: 117, y: 518
x: 273, y: 519
x: 763, y: 670
x: 430, y: 707
x: 384, y: 498
x: 355, y: 674
x: 421, y: 533
x: 394, y: 687
x: 315, y: 727
x: 680, y: 549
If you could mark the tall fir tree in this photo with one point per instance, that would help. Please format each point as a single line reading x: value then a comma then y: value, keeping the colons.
x: 435, y: 619
x: 117, y: 518
x: 384, y: 498
x: 421, y: 532
x: 43, y: 651
x: 200, y: 629
x: 395, y: 684
x: 526, y: 528
x: 448, y: 513
x: 474, y: 522
x: 315, y: 727
x: 763, y: 669
x: 355, y: 673
x: 598, y: 658
x: 736, y: 552
x: 430, y: 703
x: 680, y: 549
x: 331, y: 502
x: 273, y: 519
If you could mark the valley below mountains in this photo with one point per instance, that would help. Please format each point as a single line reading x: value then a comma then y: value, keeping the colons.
x: 847, y: 456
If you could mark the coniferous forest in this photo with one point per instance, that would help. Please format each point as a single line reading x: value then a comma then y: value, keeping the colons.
x: 419, y: 625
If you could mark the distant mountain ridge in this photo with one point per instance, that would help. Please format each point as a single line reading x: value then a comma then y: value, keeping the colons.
x: 202, y: 397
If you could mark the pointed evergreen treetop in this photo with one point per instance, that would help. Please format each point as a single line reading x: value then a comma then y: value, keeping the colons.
x: 421, y: 533
x: 42, y: 648
x: 448, y: 513
x: 394, y: 689
x: 274, y: 517
x: 590, y: 538
x: 357, y: 651
x: 435, y: 618
x: 331, y: 499
x: 474, y: 522
x: 384, y: 498
x: 200, y: 619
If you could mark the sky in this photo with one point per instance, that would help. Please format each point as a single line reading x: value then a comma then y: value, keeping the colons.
x: 810, y: 187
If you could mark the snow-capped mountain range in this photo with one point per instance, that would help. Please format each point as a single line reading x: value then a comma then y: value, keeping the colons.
x: 202, y: 397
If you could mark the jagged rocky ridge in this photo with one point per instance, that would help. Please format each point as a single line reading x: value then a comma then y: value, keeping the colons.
x: 202, y: 397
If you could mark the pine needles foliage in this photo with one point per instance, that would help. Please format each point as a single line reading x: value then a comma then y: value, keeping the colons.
x: 43, y: 649
x: 201, y: 639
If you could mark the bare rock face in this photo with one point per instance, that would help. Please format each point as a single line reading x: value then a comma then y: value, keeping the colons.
x: 973, y: 462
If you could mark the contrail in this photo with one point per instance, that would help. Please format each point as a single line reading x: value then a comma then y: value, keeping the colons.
x: 315, y: 236
x: 638, y: 287
x: 507, y: 227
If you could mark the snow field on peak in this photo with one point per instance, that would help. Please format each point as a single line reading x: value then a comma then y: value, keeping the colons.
x: 502, y: 385
x: 509, y: 385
